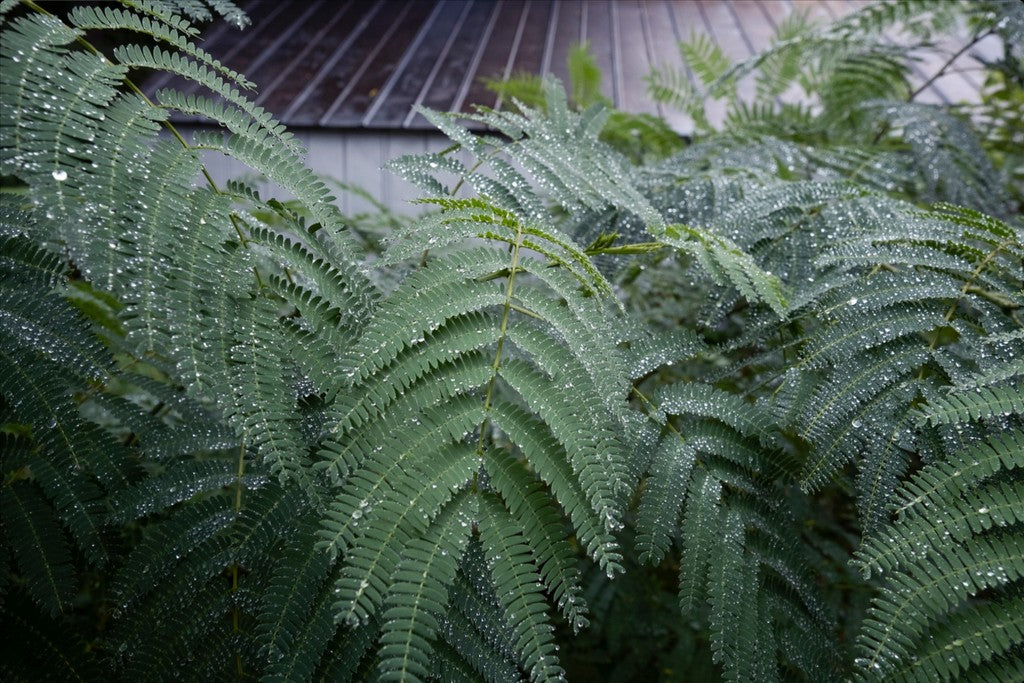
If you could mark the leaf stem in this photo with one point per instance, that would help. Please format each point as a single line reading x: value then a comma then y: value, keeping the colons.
x: 949, y: 62
x: 240, y: 670
x: 502, y: 333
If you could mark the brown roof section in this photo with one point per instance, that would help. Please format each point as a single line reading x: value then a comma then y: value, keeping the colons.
x: 366, y: 64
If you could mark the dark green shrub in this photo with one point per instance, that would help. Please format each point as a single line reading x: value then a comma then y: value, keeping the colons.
x: 750, y: 412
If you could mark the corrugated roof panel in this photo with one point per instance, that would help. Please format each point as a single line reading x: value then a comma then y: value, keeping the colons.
x: 343, y: 91
x: 452, y: 70
x: 530, y: 53
x: 291, y: 84
x: 501, y: 44
x: 755, y: 24
x: 394, y: 99
x: 598, y: 27
x: 566, y: 31
x: 271, y: 25
x: 365, y: 64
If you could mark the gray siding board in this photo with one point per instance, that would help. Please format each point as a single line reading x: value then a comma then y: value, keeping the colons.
x: 351, y: 157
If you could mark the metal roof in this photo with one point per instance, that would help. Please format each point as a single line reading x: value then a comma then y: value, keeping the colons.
x: 366, y: 64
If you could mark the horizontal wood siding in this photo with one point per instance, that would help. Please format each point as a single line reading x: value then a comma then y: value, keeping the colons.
x: 353, y: 157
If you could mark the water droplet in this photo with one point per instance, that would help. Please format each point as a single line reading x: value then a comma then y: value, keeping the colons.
x: 60, y: 175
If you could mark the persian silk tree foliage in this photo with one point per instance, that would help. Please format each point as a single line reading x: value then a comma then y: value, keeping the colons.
x: 752, y: 412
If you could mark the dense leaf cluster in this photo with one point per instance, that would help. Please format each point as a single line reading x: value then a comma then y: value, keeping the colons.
x: 752, y: 411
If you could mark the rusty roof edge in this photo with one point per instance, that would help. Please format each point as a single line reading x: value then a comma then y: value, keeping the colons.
x: 467, y: 37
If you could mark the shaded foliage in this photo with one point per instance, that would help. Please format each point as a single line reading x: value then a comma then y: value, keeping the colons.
x: 751, y: 411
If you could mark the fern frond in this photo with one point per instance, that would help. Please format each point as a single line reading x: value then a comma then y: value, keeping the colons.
x: 352, y: 658
x: 452, y: 289
x: 525, y: 499
x: 991, y: 505
x: 310, y: 639
x: 736, y: 628
x: 234, y: 446
x: 40, y: 548
x: 954, y: 166
x: 110, y: 18
x: 560, y: 150
x: 393, y: 523
x: 284, y: 168
x: 656, y: 349
x: 462, y: 219
x: 873, y: 72
x: 705, y: 401
x: 159, y: 649
x: 47, y: 354
x: 518, y: 587
x: 852, y: 385
x: 180, y: 482
x: 158, y: 59
x: 43, y: 133
x: 980, y: 404
x: 940, y: 487
x: 51, y: 329
x: 726, y: 263
x: 450, y: 667
x: 595, y: 451
x: 24, y: 264
x: 780, y: 69
x: 858, y: 333
x: 418, y: 594
x: 673, y: 86
x: 547, y: 457
x: 475, y: 628
x: 269, y: 424
x: 166, y: 543
x: 167, y: 11
x: 872, y: 431
x: 929, y: 589
x: 704, y: 57
x: 203, y: 10
x: 290, y: 604
x: 699, y: 537
x: 979, y: 635
x: 457, y: 338
x: 264, y: 518
x: 663, y: 496
x: 885, y: 459
x: 448, y: 383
